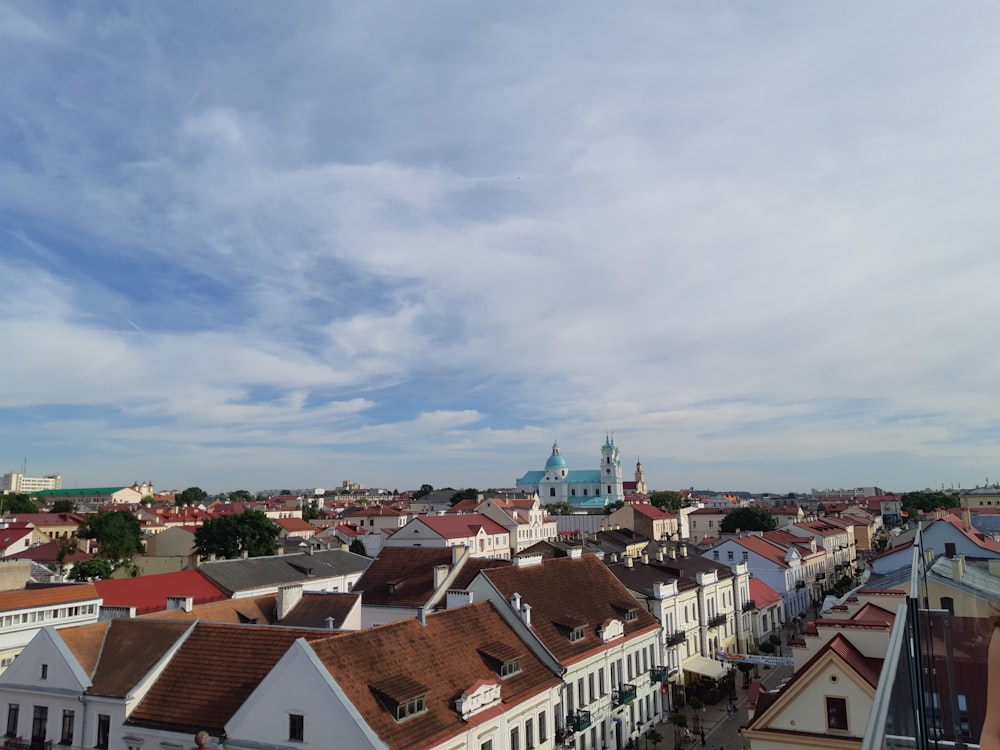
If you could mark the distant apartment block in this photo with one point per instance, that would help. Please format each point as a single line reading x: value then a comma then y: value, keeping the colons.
x: 19, y: 483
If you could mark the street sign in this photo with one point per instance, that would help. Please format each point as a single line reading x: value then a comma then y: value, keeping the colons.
x: 763, y: 659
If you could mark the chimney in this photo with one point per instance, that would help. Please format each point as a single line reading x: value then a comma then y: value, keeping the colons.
x: 574, y: 553
x: 329, y: 623
x: 458, y: 598
x: 958, y: 568
x: 659, y: 590
x: 966, y: 519
x: 684, y: 551
x: 659, y: 555
x: 628, y: 561
x: 288, y: 597
x: 456, y: 553
x: 526, y: 615
x: 440, y: 573
x: 515, y: 602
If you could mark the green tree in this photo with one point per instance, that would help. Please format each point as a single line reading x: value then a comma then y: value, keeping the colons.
x: 470, y: 493
x: 117, y: 533
x: 63, y: 506
x: 425, y: 489
x: 671, y: 502
x: 240, y: 496
x: 751, y: 518
x: 147, y: 500
x: 95, y: 569
x: 655, y: 737
x: 559, y: 509
x: 17, y: 502
x: 311, y: 510
x: 65, y: 546
x: 928, y: 500
x: 358, y: 547
x: 191, y: 496
x: 231, y: 535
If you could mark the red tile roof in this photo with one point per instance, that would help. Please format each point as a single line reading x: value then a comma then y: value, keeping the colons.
x: 149, y: 593
x: 402, y: 576
x: 762, y: 594
x: 455, y: 651
x: 769, y: 550
x: 462, y: 527
x: 651, y: 511
x: 565, y: 589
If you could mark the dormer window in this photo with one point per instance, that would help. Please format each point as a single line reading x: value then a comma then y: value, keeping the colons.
x: 510, y: 668
x: 574, y: 628
x: 412, y: 707
x: 631, y: 615
x: 576, y: 634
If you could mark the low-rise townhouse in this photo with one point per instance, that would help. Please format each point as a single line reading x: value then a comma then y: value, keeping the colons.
x: 577, y: 618
x: 704, y: 523
x: 142, y: 595
x: 836, y: 540
x: 645, y: 519
x: 483, y: 536
x: 816, y: 561
x: 779, y: 566
x: 15, y: 538
x: 524, y: 518
x: 767, y: 613
x: 48, y: 526
x: 406, y: 582
x: 25, y: 612
x: 382, y: 519
x: 90, y: 496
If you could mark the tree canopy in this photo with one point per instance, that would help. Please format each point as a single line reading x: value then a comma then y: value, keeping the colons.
x: 928, y: 500
x: 470, y: 493
x: 671, y: 502
x: 358, y: 547
x: 559, y: 509
x: 95, y: 569
x: 231, y: 535
x: 425, y: 489
x: 191, y: 496
x: 751, y: 518
x: 117, y: 533
x: 62, y: 506
x: 17, y: 503
x: 312, y: 510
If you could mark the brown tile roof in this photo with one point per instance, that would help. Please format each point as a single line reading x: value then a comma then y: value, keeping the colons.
x: 42, y: 597
x: 213, y: 674
x: 461, y: 526
x: 472, y: 567
x: 314, y: 608
x: 565, y: 588
x: 455, y: 650
x: 253, y: 610
x: 401, y: 576
x: 117, y: 654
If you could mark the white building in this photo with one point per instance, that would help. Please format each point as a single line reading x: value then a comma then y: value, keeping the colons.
x: 19, y: 483
x: 557, y: 483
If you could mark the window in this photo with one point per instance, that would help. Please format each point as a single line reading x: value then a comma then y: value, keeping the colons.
x: 591, y: 687
x: 581, y: 699
x: 510, y: 667
x: 45, y: 671
x: 12, y: 712
x: 103, y: 731
x: 296, y: 727
x: 552, y: 493
x: 38, y: 724
x: 715, y: 555
x: 711, y: 524
x: 529, y: 734
x: 67, y: 728
x: 576, y: 635
x: 486, y: 745
x: 515, y: 739
x: 836, y: 713
x: 729, y: 555
x: 543, y: 728
x: 948, y: 603
x: 600, y: 681
x: 410, y: 708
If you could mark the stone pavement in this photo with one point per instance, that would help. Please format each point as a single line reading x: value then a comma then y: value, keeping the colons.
x: 722, y: 730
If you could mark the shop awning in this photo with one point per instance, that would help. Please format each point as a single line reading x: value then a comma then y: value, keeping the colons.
x: 706, y: 667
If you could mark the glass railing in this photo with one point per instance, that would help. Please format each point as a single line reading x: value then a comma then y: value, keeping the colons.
x: 932, y: 689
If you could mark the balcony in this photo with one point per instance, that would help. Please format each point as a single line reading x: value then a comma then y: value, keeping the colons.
x: 821, y: 576
x: 749, y: 606
x: 579, y: 721
x: 800, y: 584
x: 659, y: 674
x: 718, y: 620
x: 623, y: 695
x: 16, y: 743
x: 676, y: 638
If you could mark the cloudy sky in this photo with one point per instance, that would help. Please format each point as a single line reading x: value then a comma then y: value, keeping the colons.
x: 259, y: 245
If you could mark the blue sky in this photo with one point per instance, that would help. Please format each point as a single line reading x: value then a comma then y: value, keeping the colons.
x: 258, y: 245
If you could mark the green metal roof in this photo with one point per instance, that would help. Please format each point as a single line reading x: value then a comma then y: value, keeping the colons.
x: 79, y: 491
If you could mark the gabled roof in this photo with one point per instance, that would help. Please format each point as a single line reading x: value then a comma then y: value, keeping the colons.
x: 294, y: 524
x: 402, y: 576
x: 262, y: 572
x: 149, y: 593
x: 247, y: 610
x: 64, y: 593
x: 212, y: 675
x: 116, y: 655
x: 41, y: 520
x: 49, y: 553
x: 564, y: 588
x: 454, y: 652
x: 461, y: 526
x: 13, y: 535
x: 978, y: 538
x: 651, y: 511
x: 321, y: 609
x: 762, y: 594
x: 767, y: 549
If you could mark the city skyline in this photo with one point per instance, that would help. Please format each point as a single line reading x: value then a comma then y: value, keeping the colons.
x: 255, y: 246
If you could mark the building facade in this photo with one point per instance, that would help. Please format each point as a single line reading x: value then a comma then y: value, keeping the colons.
x: 557, y: 483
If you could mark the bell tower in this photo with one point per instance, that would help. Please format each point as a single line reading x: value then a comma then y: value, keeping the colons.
x: 612, y: 481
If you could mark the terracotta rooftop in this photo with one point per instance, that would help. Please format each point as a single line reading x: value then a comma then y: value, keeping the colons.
x: 402, y: 576
x: 461, y: 526
x: 762, y: 594
x: 456, y: 650
x: 565, y: 588
x: 212, y: 675
x: 249, y: 610
x: 41, y: 597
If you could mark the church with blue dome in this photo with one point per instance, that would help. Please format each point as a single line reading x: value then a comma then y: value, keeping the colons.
x: 583, y: 488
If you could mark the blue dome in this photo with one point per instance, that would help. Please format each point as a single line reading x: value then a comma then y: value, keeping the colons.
x: 555, y: 460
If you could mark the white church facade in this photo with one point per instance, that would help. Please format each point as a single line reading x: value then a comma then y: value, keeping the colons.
x: 584, y: 488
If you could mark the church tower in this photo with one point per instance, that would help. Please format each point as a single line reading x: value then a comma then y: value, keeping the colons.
x: 640, y: 479
x: 612, y: 481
